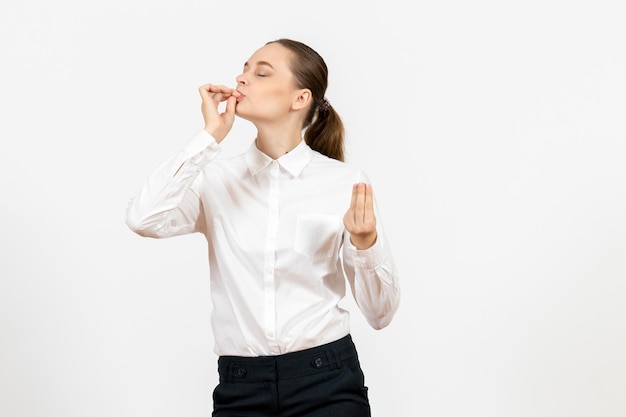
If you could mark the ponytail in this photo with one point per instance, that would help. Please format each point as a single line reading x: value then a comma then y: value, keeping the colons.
x: 326, y: 133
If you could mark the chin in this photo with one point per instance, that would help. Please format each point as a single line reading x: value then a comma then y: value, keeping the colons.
x: 248, y: 115
x: 243, y: 115
x: 242, y: 112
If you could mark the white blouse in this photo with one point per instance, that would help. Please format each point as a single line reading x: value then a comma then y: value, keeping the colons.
x: 279, y: 254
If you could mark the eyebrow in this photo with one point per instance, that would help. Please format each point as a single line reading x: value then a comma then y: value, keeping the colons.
x: 260, y: 63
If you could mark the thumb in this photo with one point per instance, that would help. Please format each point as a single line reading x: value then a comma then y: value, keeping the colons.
x: 231, y: 105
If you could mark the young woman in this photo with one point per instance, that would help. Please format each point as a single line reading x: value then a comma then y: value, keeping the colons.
x: 287, y: 223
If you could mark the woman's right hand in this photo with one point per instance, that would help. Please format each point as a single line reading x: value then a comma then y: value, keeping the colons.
x: 218, y: 124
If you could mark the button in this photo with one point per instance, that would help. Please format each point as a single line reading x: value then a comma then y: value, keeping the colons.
x: 317, y: 362
x: 240, y: 371
x: 270, y: 334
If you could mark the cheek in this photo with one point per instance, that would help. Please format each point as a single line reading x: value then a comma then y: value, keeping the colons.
x: 276, y: 98
x: 277, y: 92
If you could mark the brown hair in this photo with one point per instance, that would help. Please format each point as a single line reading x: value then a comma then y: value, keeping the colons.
x: 324, y: 128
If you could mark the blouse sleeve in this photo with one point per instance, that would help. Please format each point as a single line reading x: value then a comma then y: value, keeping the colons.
x: 168, y: 203
x: 373, y: 278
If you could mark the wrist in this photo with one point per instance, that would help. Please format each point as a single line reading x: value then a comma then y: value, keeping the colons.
x: 364, y: 242
x: 211, y: 131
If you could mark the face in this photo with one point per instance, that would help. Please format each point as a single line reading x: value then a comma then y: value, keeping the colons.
x: 267, y: 84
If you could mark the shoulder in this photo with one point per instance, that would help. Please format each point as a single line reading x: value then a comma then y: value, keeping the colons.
x: 233, y: 164
x: 339, y: 168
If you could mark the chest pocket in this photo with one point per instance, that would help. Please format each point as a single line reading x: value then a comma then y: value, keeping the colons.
x: 318, y: 235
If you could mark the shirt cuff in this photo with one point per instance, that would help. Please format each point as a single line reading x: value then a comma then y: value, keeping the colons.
x: 200, y: 142
x: 369, y: 258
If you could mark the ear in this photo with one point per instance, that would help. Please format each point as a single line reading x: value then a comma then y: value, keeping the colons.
x: 302, y: 99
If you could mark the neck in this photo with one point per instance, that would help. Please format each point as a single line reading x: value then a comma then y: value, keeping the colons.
x: 275, y: 141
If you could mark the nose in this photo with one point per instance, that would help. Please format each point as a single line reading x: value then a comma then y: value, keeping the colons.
x: 241, y: 79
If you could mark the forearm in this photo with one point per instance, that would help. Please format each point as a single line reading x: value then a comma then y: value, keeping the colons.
x: 374, y: 282
x: 167, y: 204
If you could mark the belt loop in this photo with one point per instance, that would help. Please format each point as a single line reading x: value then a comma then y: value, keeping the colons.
x: 330, y: 357
x: 229, y: 372
x: 336, y: 360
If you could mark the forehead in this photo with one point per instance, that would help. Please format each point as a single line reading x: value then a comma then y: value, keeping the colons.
x: 274, y: 53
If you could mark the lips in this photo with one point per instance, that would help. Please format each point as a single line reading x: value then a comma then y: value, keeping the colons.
x: 241, y: 96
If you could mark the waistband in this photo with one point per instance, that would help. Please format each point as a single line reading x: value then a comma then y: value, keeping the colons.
x: 318, y: 359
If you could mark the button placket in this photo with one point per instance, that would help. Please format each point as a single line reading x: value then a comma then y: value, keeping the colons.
x: 269, y: 257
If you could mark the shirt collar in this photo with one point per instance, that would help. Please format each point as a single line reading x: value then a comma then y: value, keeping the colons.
x: 293, y: 161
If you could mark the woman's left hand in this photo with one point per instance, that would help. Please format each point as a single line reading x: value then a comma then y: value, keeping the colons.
x: 359, y: 220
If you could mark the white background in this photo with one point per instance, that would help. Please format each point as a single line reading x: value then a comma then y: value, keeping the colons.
x: 493, y: 133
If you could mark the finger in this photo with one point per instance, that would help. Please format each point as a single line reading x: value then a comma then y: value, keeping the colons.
x: 348, y: 217
x: 231, y: 105
x: 204, y: 91
x: 219, y: 88
x: 360, y: 203
x: 215, y: 88
x: 214, y: 92
x: 210, y: 93
x: 353, y: 202
x: 221, y: 92
x: 369, y: 203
